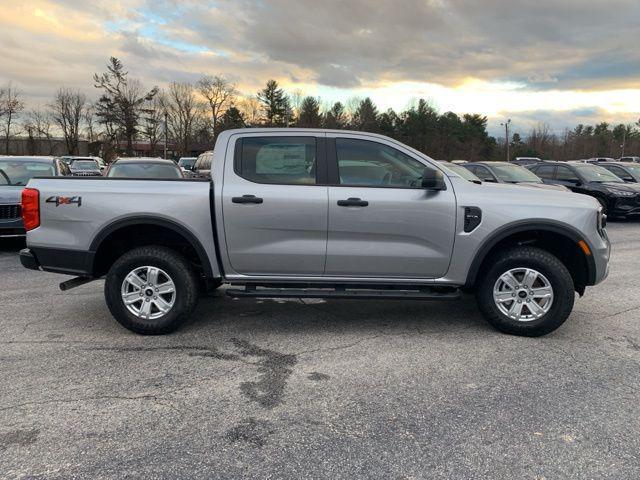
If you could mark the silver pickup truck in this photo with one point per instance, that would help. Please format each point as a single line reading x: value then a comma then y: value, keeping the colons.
x: 323, y: 214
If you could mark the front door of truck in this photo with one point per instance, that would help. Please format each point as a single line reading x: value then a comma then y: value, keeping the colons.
x: 382, y: 223
x: 274, y: 202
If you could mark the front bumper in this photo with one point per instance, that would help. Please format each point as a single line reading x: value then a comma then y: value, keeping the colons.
x: 625, y: 207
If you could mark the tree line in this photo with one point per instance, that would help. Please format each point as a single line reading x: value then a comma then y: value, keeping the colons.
x: 191, y: 115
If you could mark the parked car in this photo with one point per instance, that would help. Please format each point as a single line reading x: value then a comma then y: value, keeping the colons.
x: 84, y: 167
x: 15, y: 173
x: 599, y: 160
x: 143, y: 167
x: 627, y: 171
x: 524, y: 161
x: 617, y: 198
x: 186, y: 165
x: 629, y: 159
x: 70, y: 158
x: 319, y: 213
x: 202, y: 167
x: 503, y: 172
x: 460, y: 170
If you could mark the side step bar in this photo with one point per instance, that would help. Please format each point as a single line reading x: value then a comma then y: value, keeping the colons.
x: 386, y: 294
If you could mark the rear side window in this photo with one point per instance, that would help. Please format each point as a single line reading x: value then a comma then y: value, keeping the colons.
x: 545, y: 171
x: 279, y: 160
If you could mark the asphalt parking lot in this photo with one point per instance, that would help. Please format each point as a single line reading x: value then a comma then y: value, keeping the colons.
x: 336, y: 389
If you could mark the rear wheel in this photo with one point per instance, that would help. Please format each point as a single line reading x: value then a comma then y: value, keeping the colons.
x: 151, y: 290
x: 527, y: 291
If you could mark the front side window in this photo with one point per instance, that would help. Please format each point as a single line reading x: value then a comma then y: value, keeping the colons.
x: 566, y: 175
x: 372, y: 164
x: 279, y: 160
x: 624, y: 175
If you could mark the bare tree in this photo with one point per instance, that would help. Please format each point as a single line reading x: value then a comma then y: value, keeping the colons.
x: 11, y: 105
x: 67, y: 110
x: 89, y: 121
x: 251, y: 110
x: 219, y: 93
x: 38, y: 125
x: 120, y: 106
x: 182, y: 108
x: 153, y: 121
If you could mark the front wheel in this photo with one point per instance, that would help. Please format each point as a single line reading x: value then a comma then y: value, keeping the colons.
x: 526, y: 291
x: 151, y: 290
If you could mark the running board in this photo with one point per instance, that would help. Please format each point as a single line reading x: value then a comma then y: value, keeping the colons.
x: 387, y: 294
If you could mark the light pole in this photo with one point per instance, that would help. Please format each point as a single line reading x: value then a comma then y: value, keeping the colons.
x: 506, y: 136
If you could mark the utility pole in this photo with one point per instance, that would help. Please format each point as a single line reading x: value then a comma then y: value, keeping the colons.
x: 506, y: 137
x: 166, y: 133
x: 624, y: 141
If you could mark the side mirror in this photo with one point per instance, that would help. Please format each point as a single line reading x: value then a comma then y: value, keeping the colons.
x: 433, y: 179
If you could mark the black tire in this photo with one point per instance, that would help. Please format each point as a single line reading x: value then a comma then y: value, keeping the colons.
x: 546, y: 264
x: 175, y: 266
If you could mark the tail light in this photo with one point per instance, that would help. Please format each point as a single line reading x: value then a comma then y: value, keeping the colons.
x: 30, y: 208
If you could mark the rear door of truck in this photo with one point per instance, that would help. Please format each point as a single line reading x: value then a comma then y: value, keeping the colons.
x: 274, y: 204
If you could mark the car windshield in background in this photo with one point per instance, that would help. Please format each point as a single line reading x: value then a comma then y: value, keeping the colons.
x: 634, y: 168
x: 19, y: 173
x: 592, y: 173
x: 84, y: 165
x: 187, y: 162
x: 514, y: 174
x: 463, y: 172
x: 4, y: 180
x: 144, y: 170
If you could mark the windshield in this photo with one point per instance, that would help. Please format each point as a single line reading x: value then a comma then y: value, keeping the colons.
x: 514, y: 174
x: 19, y: 173
x: 144, y: 170
x: 463, y: 172
x: 186, y: 162
x: 634, y: 169
x: 84, y: 165
x: 593, y: 173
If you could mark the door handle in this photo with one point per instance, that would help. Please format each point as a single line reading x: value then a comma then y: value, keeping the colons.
x: 247, y: 199
x: 352, y: 202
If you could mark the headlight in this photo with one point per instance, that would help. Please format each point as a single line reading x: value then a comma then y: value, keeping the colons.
x: 622, y: 193
x: 602, y: 220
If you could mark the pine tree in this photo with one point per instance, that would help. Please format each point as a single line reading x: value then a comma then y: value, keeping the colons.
x: 309, y: 116
x: 275, y: 105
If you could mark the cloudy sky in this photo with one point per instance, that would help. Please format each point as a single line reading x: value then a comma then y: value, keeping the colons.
x: 560, y: 62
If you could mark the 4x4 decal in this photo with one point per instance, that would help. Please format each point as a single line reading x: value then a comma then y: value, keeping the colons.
x: 65, y: 200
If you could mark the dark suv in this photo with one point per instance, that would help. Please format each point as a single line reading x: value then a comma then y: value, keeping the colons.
x: 618, y: 199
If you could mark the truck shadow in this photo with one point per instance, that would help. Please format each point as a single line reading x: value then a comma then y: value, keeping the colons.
x: 310, y: 316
